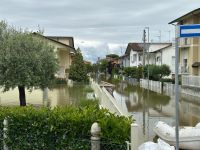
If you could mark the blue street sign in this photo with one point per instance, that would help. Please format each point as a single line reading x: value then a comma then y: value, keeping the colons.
x: 192, y: 30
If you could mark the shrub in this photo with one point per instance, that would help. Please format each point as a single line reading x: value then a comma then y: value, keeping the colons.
x: 45, y: 128
x: 167, y: 80
x: 133, y: 72
x: 60, y: 81
x: 156, y: 72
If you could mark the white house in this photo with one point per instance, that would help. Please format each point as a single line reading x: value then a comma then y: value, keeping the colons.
x: 159, y: 53
x: 124, y: 60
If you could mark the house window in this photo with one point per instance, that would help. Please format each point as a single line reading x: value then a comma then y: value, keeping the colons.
x: 185, y: 62
x: 185, y: 41
x: 158, y: 58
x: 140, y: 57
x: 134, y: 58
x: 173, y: 60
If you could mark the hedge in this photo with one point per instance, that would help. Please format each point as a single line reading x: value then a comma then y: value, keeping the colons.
x: 45, y: 128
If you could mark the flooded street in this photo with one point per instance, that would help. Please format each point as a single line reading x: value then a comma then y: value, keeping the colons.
x: 58, y: 96
x: 148, y: 108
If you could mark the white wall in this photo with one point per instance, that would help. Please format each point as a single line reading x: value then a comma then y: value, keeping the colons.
x: 167, y: 59
x: 126, y: 62
x: 134, y: 59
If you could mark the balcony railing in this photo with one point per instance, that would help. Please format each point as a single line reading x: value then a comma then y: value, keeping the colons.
x: 189, y: 80
x: 183, y: 69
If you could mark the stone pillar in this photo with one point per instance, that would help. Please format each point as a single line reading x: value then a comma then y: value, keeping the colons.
x: 5, y: 131
x: 95, y: 138
x: 134, y: 136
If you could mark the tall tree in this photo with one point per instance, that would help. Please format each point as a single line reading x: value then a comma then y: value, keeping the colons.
x: 78, y: 71
x: 26, y: 61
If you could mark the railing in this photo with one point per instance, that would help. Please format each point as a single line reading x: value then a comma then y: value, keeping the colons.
x: 192, y: 81
x: 106, y: 100
x: 183, y: 69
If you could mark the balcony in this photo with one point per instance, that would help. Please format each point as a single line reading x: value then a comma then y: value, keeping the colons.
x: 184, y: 43
x: 183, y: 69
x: 193, y: 81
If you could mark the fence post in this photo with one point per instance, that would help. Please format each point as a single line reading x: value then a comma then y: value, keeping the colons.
x: 134, y: 136
x: 5, y: 131
x: 95, y: 138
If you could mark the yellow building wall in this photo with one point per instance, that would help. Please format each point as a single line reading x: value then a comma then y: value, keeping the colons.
x: 193, y: 49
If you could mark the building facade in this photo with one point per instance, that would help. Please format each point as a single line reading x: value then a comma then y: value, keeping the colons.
x: 159, y: 53
x: 64, y: 48
x: 189, y: 48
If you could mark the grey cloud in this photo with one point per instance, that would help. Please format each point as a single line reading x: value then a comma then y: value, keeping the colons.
x: 107, y: 21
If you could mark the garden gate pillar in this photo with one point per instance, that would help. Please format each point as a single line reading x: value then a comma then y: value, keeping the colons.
x: 135, y: 134
x: 5, y: 132
x: 95, y: 138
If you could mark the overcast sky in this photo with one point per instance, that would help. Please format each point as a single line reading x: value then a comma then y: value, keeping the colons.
x: 99, y: 27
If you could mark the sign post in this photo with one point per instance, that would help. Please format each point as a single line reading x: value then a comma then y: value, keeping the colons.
x: 177, y: 86
x: 182, y: 31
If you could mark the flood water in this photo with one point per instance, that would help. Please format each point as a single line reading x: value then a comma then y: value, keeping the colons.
x: 58, y: 96
x: 149, y: 107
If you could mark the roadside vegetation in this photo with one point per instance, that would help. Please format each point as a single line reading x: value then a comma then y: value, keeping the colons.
x: 46, y: 128
x: 78, y: 70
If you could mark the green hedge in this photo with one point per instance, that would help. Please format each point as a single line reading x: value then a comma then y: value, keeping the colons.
x: 45, y: 128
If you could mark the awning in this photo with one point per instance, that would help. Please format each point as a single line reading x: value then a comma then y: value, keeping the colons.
x: 196, y: 64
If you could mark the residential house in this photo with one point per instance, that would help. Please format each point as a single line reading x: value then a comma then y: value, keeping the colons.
x: 159, y: 53
x: 64, y: 48
x: 189, y: 48
x: 124, y: 60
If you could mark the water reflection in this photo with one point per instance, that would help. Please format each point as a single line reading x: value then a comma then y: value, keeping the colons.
x: 148, y: 108
x: 58, y: 96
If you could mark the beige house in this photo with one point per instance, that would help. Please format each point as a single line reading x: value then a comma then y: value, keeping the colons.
x: 64, y: 47
x: 189, y: 48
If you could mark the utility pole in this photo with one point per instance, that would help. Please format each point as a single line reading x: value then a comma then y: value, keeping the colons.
x: 144, y: 105
x: 144, y: 47
x: 148, y: 46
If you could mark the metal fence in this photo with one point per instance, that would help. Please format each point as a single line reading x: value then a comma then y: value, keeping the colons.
x: 193, y: 81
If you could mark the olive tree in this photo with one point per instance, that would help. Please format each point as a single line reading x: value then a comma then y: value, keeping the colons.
x: 26, y: 61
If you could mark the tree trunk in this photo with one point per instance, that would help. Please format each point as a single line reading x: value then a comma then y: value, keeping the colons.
x: 22, y: 96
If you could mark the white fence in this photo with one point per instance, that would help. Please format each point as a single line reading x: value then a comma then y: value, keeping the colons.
x: 193, y: 81
x: 107, y: 101
x: 168, y: 88
x: 131, y: 81
x: 155, y: 86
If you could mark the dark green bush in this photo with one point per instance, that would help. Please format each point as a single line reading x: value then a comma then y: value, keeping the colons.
x: 167, y: 80
x: 60, y: 81
x: 133, y: 72
x: 45, y: 128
